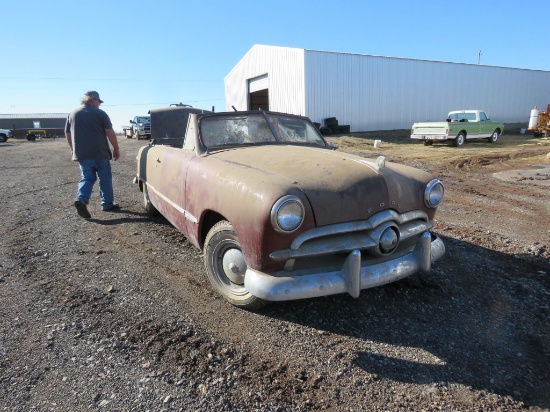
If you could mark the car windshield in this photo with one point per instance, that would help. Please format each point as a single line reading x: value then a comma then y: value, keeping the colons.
x: 253, y: 128
x: 143, y: 119
x: 295, y: 130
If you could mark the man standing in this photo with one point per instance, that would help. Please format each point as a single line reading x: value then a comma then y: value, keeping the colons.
x: 88, y: 131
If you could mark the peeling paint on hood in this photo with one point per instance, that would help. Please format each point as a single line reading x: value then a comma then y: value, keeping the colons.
x: 340, y: 187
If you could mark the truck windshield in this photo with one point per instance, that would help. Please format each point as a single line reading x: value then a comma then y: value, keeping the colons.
x: 252, y: 129
x: 143, y: 119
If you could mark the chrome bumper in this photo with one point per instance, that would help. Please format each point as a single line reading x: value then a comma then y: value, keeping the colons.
x: 429, y: 136
x: 351, y: 278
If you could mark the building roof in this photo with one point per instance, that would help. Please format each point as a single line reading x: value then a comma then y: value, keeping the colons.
x: 35, y: 116
x: 381, y: 57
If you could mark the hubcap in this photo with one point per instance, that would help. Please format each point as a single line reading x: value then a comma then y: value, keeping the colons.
x: 234, y: 265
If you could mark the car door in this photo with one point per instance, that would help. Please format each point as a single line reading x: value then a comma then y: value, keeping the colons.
x: 485, y: 125
x: 166, y: 181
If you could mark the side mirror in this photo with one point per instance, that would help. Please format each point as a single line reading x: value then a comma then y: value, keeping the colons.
x: 332, y: 146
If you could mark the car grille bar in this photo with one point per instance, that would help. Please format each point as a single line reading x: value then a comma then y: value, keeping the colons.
x: 349, y: 236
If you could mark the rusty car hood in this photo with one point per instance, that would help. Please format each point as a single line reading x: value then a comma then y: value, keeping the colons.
x: 340, y: 187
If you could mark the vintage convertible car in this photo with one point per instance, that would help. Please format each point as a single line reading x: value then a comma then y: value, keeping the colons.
x: 281, y: 215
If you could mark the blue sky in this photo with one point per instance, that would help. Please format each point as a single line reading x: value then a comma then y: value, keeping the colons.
x: 141, y: 55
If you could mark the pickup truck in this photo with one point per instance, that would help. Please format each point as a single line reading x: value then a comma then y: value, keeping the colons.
x: 140, y: 128
x: 460, y: 125
x: 4, y: 134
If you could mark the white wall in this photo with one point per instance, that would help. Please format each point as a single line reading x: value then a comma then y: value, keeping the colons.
x: 285, y: 69
x: 381, y: 93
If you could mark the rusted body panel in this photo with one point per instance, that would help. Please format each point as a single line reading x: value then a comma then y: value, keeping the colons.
x: 350, y: 205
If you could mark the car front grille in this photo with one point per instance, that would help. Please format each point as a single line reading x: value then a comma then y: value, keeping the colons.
x: 316, y: 245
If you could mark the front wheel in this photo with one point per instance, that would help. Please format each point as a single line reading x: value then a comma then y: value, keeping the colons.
x: 459, y: 140
x: 494, y: 137
x: 3, y: 138
x: 226, y: 267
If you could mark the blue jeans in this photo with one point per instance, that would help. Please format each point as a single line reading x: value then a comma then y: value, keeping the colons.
x: 90, y: 170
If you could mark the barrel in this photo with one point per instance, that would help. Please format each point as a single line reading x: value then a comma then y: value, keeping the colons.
x: 534, y: 118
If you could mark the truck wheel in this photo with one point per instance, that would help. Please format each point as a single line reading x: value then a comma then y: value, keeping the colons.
x: 428, y: 142
x: 31, y: 137
x: 3, y: 138
x: 494, y: 137
x: 459, y: 140
x: 226, y: 267
x: 136, y: 135
x: 147, y: 205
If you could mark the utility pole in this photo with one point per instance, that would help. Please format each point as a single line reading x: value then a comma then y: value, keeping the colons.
x: 478, y: 57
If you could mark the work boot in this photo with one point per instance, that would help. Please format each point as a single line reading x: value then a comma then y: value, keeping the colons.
x: 113, y: 207
x: 82, y: 210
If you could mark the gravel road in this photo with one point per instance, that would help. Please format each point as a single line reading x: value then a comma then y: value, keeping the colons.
x: 115, y: 313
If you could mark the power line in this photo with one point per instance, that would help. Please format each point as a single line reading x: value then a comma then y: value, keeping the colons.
x: 107, y: 79
x: 134, y: 104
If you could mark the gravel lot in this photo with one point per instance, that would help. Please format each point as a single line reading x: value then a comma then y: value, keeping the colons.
x: 115, y: 313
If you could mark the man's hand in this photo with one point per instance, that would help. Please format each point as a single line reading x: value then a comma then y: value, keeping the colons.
x: 111, y: 135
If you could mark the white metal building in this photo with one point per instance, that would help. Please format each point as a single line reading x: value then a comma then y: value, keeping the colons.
x: 379, y: 93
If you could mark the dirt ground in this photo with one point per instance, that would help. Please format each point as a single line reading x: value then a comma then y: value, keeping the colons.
x: 115, y: 313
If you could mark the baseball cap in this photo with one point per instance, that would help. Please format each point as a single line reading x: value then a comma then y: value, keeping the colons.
x: 93, y: 95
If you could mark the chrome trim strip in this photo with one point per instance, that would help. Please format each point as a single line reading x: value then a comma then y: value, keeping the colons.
x: 184, y: 212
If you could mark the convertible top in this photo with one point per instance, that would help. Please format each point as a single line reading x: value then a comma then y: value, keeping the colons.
x: 169, y: 124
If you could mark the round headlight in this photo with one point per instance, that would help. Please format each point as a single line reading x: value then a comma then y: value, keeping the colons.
x: 287, y: 214
x: 433, y: 195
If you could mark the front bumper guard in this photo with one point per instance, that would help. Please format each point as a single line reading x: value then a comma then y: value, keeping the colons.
x: 353, y: 276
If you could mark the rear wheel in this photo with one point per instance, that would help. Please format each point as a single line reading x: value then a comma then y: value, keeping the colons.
x: 459, y: 140
x: 31, y: 137
x: 226, y: 267
x: 147, y: 205
x: 494, y: 137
